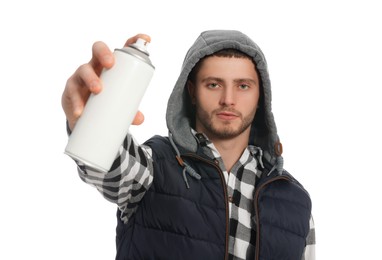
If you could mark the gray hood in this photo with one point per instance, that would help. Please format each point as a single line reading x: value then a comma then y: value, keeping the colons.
x: 264, y: 132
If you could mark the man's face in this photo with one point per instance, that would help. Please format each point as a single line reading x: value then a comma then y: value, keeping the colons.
x: 225, y: 94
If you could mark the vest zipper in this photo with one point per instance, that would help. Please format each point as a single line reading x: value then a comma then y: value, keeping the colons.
x: 258, y: 189
x: 222, y: 179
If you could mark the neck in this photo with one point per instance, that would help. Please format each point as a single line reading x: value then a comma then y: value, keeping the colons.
x: 231, y: 149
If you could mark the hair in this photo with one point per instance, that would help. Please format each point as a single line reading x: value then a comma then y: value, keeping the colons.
x: 259, y: 119
x: 225, y: 53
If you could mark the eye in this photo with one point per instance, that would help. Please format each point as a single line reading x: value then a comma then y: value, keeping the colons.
x: 213, y: 85
x: 243, y: 86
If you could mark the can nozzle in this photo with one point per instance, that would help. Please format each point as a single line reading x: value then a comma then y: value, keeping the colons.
x: 140, y: 45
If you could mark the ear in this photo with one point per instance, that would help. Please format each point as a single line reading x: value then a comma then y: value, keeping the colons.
x: 191, y: 91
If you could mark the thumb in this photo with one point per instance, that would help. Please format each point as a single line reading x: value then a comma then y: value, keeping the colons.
x: 138, y: 119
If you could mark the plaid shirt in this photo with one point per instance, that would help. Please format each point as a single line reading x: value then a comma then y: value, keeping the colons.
x: 240, y: 182
x: 132, y: 175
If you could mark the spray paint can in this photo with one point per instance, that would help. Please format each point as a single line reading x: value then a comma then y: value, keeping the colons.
x: 107, y: 116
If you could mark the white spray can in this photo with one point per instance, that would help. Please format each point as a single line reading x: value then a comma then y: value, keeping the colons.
x: 107, y: 116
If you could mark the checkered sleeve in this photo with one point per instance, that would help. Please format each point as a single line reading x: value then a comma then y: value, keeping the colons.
x: 310, y: 248
x: 128, y: 179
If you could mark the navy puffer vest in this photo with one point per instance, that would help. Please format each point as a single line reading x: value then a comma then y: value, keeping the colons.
x: 173, y: 222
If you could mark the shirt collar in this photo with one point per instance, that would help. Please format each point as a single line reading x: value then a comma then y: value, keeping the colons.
x: 206, y: 144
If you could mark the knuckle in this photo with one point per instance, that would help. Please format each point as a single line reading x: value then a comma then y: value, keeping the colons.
x: 83, y: 69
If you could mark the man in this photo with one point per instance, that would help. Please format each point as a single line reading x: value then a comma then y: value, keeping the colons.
x: 215, y: 188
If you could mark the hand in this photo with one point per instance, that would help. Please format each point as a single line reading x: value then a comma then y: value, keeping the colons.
x: 86, y: 81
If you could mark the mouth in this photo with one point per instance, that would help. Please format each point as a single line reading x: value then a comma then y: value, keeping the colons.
x: 227, y: 115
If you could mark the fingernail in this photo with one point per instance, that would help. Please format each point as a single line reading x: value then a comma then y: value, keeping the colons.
x: 95, y: 85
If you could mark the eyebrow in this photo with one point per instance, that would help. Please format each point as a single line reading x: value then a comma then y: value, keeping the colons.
x: 213, y: 79
x: 220, y: 80
x: 246, y: 80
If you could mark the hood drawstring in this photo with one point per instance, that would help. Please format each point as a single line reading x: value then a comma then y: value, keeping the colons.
x: 279, y: 165
x: 258, y: 153
x: 187, y: 168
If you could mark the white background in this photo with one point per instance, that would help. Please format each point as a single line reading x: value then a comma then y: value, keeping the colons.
x: 325, y: 64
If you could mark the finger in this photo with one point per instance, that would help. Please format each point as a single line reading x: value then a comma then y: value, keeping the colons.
x: 135, y: 38
x: 77, y: 91
x: 78, y: 102
x: 86, y: 77
x: 73, y: 101
x: 139, y: 118
x: 102, y: 57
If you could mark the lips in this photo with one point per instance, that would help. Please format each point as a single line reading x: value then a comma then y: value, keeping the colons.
x: 227, y: 115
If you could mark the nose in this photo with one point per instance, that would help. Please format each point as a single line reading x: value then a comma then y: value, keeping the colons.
x: 227, y: 97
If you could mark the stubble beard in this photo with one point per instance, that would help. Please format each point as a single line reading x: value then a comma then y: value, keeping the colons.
x: 226, y: 129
